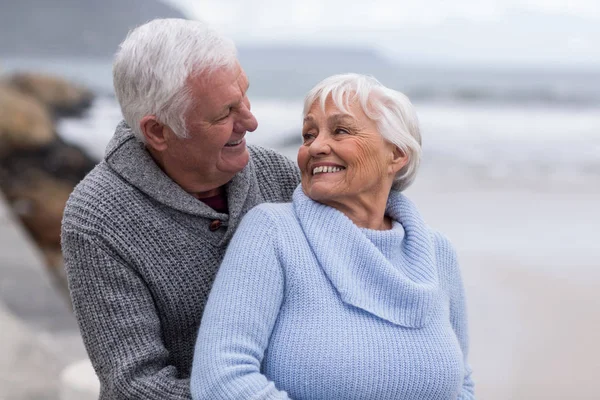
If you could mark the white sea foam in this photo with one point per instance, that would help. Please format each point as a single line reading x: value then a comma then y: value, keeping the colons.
x: 93, y: 131
x: 494, y: 141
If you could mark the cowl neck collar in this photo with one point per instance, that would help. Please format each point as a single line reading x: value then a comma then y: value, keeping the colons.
x: 403, y: 293
x: 129, y: 158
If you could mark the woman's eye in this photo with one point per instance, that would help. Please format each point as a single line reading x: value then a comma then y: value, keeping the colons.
x: 341, y: 131
x: 308, y: 137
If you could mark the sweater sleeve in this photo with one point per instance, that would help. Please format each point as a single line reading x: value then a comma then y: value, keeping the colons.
x: 119, y: 324
x: 458, y: 314
x: 239, y: 316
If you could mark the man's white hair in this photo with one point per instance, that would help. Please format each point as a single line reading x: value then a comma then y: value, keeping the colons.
x: 154, y: 62
x: 392, y: 112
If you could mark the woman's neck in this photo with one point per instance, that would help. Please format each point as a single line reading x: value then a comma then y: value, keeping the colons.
x: 365, y: 211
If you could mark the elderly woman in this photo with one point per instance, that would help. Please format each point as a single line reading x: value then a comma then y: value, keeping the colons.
x: 345, y: 293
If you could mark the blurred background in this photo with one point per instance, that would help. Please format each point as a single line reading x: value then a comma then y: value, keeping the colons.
x: 508, y: 96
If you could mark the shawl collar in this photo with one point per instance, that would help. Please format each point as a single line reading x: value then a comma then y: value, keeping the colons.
x: 401, y: 294
x: 129, y: 158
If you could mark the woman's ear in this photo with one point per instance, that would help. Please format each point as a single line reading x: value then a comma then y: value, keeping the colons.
x: 398, y: 159
x: 154, y: 132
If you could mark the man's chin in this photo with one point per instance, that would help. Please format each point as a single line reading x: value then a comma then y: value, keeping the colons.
x: 231, y: 164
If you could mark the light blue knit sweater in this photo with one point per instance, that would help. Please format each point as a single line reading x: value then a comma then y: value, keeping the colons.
x: 306, y: 305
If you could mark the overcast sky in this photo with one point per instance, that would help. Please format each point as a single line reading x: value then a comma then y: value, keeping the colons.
x: 507, y: 32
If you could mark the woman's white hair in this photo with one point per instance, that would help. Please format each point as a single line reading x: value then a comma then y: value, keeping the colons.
x: 392, y: 112
x: 154, y: 62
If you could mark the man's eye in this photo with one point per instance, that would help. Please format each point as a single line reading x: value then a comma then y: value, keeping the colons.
x: 226, y: 115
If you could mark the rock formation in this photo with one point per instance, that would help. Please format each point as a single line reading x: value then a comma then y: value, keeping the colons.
x: 38, y: 170
x: 25, y: 123
x: 73, y: 28
x: 60, y: 97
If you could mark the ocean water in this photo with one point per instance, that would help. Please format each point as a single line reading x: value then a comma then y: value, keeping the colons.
x: 501, y: 124
x: 533, y: 143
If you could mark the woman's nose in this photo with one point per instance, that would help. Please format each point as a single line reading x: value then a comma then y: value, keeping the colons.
x: 319, y: 146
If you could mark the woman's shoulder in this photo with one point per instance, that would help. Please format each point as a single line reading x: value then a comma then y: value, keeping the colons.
x: 442, y: 243
x: 273, y: 209
x: 444, y: 249
x: 447, y: 259
x: 270, y: 215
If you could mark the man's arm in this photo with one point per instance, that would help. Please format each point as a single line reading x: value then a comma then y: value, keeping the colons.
x: 119, y: 323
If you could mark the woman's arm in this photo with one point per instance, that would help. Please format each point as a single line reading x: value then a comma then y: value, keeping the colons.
x: 458, y: 312
x: 239, y: 316
x: 458, y: 318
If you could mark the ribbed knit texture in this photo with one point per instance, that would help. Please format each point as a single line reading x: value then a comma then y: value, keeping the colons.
x: 306, y: 305
x: 140, y: 259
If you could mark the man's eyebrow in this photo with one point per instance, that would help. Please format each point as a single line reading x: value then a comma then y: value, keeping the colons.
x: 226, y: 107
x: 233, y: 104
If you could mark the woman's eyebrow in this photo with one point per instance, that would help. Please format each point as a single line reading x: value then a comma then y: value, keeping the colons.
x: 340, y: 117
x: 308, y: 118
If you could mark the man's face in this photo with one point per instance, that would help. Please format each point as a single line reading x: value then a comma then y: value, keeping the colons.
x: 217, y: 122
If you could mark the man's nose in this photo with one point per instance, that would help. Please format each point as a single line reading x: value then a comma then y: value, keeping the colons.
x: 247, y: 120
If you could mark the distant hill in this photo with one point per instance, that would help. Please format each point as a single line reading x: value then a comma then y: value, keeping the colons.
x: 301, y: 57
x: 66, y: 28
x: 296, y: 69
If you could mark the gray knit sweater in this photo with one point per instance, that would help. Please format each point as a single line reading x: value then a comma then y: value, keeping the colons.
x: 141, y: 255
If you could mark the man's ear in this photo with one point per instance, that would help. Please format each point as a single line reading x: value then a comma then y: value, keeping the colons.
x: 399, y: 159
x: 154, y: 132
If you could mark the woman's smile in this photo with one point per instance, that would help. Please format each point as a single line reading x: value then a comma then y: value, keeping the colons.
x: 318, y: 169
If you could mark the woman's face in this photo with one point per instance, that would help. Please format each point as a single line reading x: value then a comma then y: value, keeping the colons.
x: 343, y: 159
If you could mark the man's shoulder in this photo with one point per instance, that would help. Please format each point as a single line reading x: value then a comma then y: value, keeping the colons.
x: 100, y: 183
x: 277, y: 176
x: 263, y: 156
x: 101, y: 193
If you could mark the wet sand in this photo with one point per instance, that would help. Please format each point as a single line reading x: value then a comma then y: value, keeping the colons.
x: 530, y: 258
x: 38, y: 333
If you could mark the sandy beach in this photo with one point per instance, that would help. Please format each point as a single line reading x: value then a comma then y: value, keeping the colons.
x: 529, y: 257
x: 510, y: 169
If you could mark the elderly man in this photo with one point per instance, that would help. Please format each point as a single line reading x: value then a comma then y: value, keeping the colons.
x: 144, y: 233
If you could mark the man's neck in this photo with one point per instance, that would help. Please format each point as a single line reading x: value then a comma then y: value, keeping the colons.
x: 180, y: 181
x: 209, y: 193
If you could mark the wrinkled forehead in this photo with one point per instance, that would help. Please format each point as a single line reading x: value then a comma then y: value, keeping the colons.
x: 342, y: 102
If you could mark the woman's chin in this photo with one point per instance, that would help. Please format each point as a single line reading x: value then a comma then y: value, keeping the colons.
x: 320, y: 192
